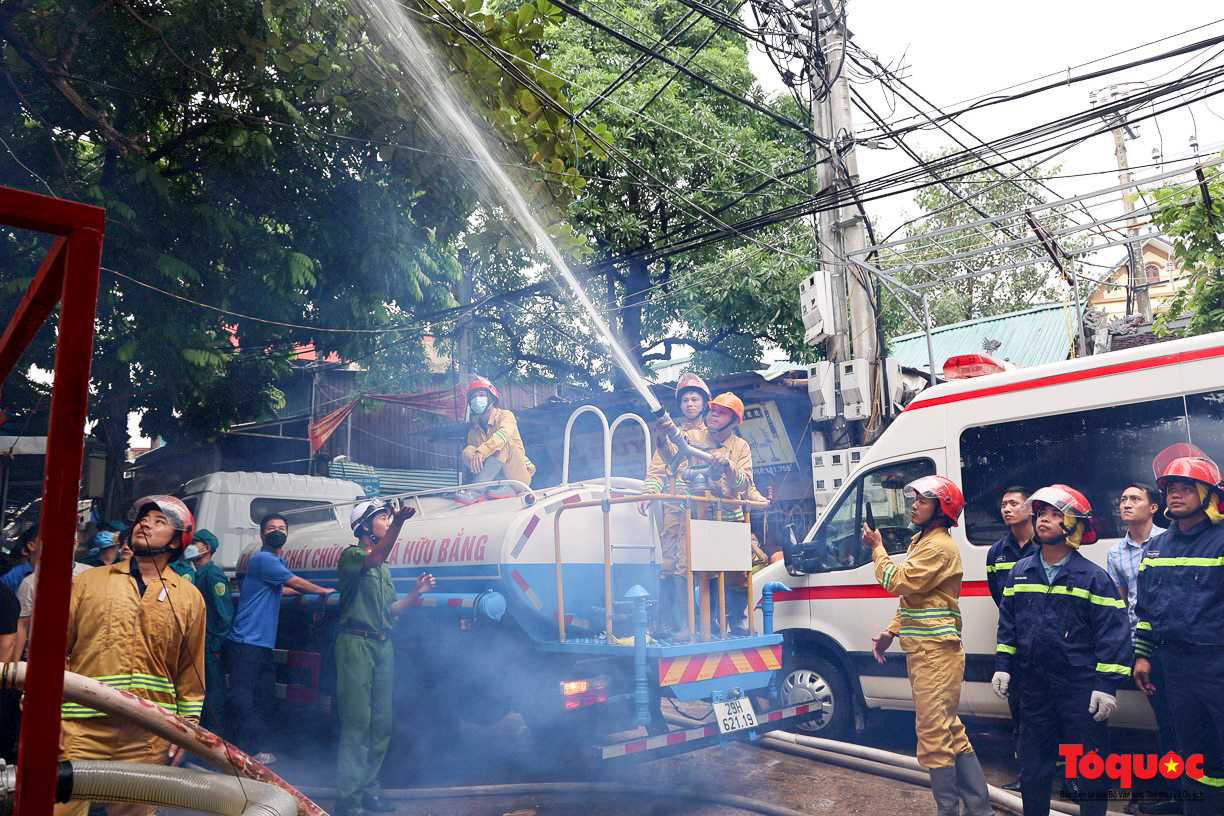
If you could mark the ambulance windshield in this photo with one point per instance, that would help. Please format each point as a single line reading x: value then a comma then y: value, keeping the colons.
x: 876, y: 496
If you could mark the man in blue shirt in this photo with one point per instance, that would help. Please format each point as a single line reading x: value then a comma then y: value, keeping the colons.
x: 248, y: 650
x: 1138, y: 507
x: 22, y: 553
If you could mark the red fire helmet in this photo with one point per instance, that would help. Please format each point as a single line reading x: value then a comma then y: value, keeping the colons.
x: 941, y: 489
x: 690, y: 380
x: 174, y: 509
x: 480, y: 382
x: 1068, y: 501
x: 1193, y: 468
x: 1177, y: 450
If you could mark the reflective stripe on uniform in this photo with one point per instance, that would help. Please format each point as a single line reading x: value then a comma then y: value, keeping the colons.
x: 929, y: 612
x: 1181, y: 561
x: 886, y: 579
x: 1144, y: 625
x: 1002, y: 566
x: 1113, y: 668
x: 1101, y: 600
x: 929, y: 631
x: 72, y: 711
x: 1003, y: 648
x: 191, y: 709
x: 1210, y: 781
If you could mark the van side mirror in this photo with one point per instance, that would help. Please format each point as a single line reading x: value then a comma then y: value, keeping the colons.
x: 792, y: 552
x: 801, y: 558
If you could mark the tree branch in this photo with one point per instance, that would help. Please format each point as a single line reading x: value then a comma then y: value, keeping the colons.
x: 713, y: 345
x: 517, y: 352
x: 111, y: 137
x: 74, y: 37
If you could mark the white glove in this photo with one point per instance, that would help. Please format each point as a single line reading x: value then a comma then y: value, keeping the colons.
x: 1102, y: 705
x: 1000, y: 682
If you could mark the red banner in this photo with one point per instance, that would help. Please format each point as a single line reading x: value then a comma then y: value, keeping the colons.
x: 447, y: 402
x: 322, y: 430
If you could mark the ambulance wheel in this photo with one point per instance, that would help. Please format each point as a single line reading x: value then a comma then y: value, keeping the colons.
x: 817, y: 682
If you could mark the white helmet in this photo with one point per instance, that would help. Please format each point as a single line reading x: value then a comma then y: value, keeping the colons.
x: 363, y: 512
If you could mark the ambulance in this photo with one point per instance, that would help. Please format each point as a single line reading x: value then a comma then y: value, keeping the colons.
x: 1095, y: 423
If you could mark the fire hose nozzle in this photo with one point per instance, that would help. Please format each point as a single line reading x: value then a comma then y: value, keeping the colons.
x: 677, y: 438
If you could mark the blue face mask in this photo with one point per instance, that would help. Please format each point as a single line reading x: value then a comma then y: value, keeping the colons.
x: 479, y: 404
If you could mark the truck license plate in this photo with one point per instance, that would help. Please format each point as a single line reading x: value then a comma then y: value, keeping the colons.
x: 734, y: 715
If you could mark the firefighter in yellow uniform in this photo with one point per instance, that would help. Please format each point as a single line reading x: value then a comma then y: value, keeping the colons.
x: 136, y: 625
x: 692, y: 398
x: 494, y: 448
x: 730, y: 473
x: 928, y: 620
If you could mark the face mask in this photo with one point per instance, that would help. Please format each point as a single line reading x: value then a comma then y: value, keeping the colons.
x: 191, y: 552
x: 275, y: 539
x: 478, y: 404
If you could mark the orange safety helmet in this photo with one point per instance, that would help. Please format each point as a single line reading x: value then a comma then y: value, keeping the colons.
x: 173, y: 508
x: 479, y: 383
x: 941, y: 489
x: 731, y: 402
x: 690, y: 380
x: 1072, y: 504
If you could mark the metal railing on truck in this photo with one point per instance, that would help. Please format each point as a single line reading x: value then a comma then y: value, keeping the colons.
x: 708, y: 501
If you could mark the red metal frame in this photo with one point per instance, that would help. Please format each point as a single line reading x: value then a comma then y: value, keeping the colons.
x: 68, y: 276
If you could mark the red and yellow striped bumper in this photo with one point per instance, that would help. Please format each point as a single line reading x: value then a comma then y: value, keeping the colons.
x: 675, y: 670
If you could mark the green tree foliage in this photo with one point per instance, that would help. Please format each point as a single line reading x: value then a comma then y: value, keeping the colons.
x: 1193, y: 216
x: 676, y: 147
x: 263, y: 158
x: 971, y: 297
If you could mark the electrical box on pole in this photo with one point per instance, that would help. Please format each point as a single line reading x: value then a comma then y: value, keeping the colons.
x: 822, y: 389
x: 854, y: 377
x: 816, y: 306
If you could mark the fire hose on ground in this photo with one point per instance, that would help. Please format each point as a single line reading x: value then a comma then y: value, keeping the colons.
x: 158, y: 785
x: 874, y: 761
x: 165, y: 724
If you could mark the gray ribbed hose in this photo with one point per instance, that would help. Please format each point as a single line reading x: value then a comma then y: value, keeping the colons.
x: 162, y: 786
x: 169, y: 726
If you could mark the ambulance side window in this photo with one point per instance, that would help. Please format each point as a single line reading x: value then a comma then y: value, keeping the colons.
x: 875, y: 496
x: 1206, y: 412
x: 1096, y: 451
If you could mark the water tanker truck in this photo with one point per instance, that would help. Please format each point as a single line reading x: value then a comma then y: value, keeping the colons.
x: 543, y: 604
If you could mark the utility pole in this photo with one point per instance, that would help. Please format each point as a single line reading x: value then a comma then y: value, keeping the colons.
x: 463, y: 330
x: 1137, y: 299
x: 848, y: 223
x: 837, y: 346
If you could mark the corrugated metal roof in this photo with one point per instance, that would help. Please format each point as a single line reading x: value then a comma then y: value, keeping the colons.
x: 392, y: 480
x: 1032, y: 337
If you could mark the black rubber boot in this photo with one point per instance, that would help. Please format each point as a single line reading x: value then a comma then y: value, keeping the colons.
x: 943, y: 788
x: 971, y: 784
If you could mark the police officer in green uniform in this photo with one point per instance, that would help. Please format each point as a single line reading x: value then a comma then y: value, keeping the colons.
x: 219, y: 601
x: 365, y: 660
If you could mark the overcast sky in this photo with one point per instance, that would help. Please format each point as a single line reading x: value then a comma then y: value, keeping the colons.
x: 955, y: 50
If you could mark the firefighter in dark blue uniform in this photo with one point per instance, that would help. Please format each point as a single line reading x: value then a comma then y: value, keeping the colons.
x: 1003, y: 555
x: 1063, y: 626
x: 1181, y: 616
